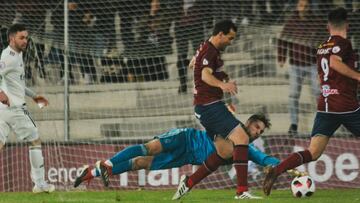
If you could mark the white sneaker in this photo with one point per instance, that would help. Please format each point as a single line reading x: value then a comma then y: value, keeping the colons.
x: 247, y: 195
x: 182, y: 188
x: 44, y: 187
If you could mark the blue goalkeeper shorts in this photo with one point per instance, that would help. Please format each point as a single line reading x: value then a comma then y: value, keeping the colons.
x: 175, y: 152
x: 328, y: 123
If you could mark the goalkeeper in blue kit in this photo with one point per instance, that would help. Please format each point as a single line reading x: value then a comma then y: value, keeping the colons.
x: 175, y: 148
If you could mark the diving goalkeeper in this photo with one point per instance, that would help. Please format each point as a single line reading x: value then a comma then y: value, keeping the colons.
x: 175, y: 148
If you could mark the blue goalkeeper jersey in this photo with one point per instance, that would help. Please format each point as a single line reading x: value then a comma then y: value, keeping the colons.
x: 184, y: 146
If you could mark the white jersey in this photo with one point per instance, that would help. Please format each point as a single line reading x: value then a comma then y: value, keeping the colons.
x: 12, y: 77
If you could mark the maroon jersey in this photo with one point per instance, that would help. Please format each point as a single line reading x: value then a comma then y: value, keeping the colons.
x: 338, y: 91
x: 207, y: 56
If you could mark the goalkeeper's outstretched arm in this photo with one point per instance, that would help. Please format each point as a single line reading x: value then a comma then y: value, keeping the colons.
x: 266, y: 160
x: 261, y: 158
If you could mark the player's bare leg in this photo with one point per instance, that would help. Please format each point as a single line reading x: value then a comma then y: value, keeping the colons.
x: 142, y: 162
x: 318, y: 145
x: 224, y: 148
x: 153, y: 147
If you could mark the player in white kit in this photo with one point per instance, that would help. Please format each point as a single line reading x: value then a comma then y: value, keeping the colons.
x: 13, y: 112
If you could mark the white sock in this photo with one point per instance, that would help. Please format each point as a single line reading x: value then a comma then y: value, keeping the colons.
x: 37, y: 164
x: 94, y: 172
x: 108, y: 162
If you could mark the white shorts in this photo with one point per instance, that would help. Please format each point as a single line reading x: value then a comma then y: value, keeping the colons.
x: 17, y: 119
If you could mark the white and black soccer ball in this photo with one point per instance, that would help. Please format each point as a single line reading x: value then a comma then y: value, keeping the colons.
x: 303, y: 186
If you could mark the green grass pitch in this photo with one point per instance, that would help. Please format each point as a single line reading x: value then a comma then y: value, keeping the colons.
x: 197, y: 195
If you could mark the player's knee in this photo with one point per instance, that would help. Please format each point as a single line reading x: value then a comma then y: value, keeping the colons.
x: 149, y: 150
x: 140, y: 163
x: 153, y: 147
x: 224, y: 148
x: 224, y: 153
x: 135, y: 164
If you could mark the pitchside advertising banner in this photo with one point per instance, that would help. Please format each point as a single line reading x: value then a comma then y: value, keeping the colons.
x: 338, y: 167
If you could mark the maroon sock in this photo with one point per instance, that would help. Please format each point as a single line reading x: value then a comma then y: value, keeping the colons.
x: 211, y: 164
x: 294, y: 160
x: 240, y: 158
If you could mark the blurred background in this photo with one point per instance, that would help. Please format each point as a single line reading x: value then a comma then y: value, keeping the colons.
x: 127, y: 80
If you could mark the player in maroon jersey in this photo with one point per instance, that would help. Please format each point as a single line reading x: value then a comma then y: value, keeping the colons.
x: 337, y: 104
x: 228, y: 133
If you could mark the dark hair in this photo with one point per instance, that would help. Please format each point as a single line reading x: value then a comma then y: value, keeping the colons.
x: 260, y: 117
x: 224, y: 26
x: 337, y: 17
x: 15, y: 28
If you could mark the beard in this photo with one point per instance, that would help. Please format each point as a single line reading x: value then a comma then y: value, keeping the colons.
x: 21, y: 48
x: 251, y: 139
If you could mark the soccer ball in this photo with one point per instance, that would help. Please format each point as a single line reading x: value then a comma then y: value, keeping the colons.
x: 303, y: 186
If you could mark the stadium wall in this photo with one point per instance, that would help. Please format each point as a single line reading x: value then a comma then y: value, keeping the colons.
x: 338, y: 167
